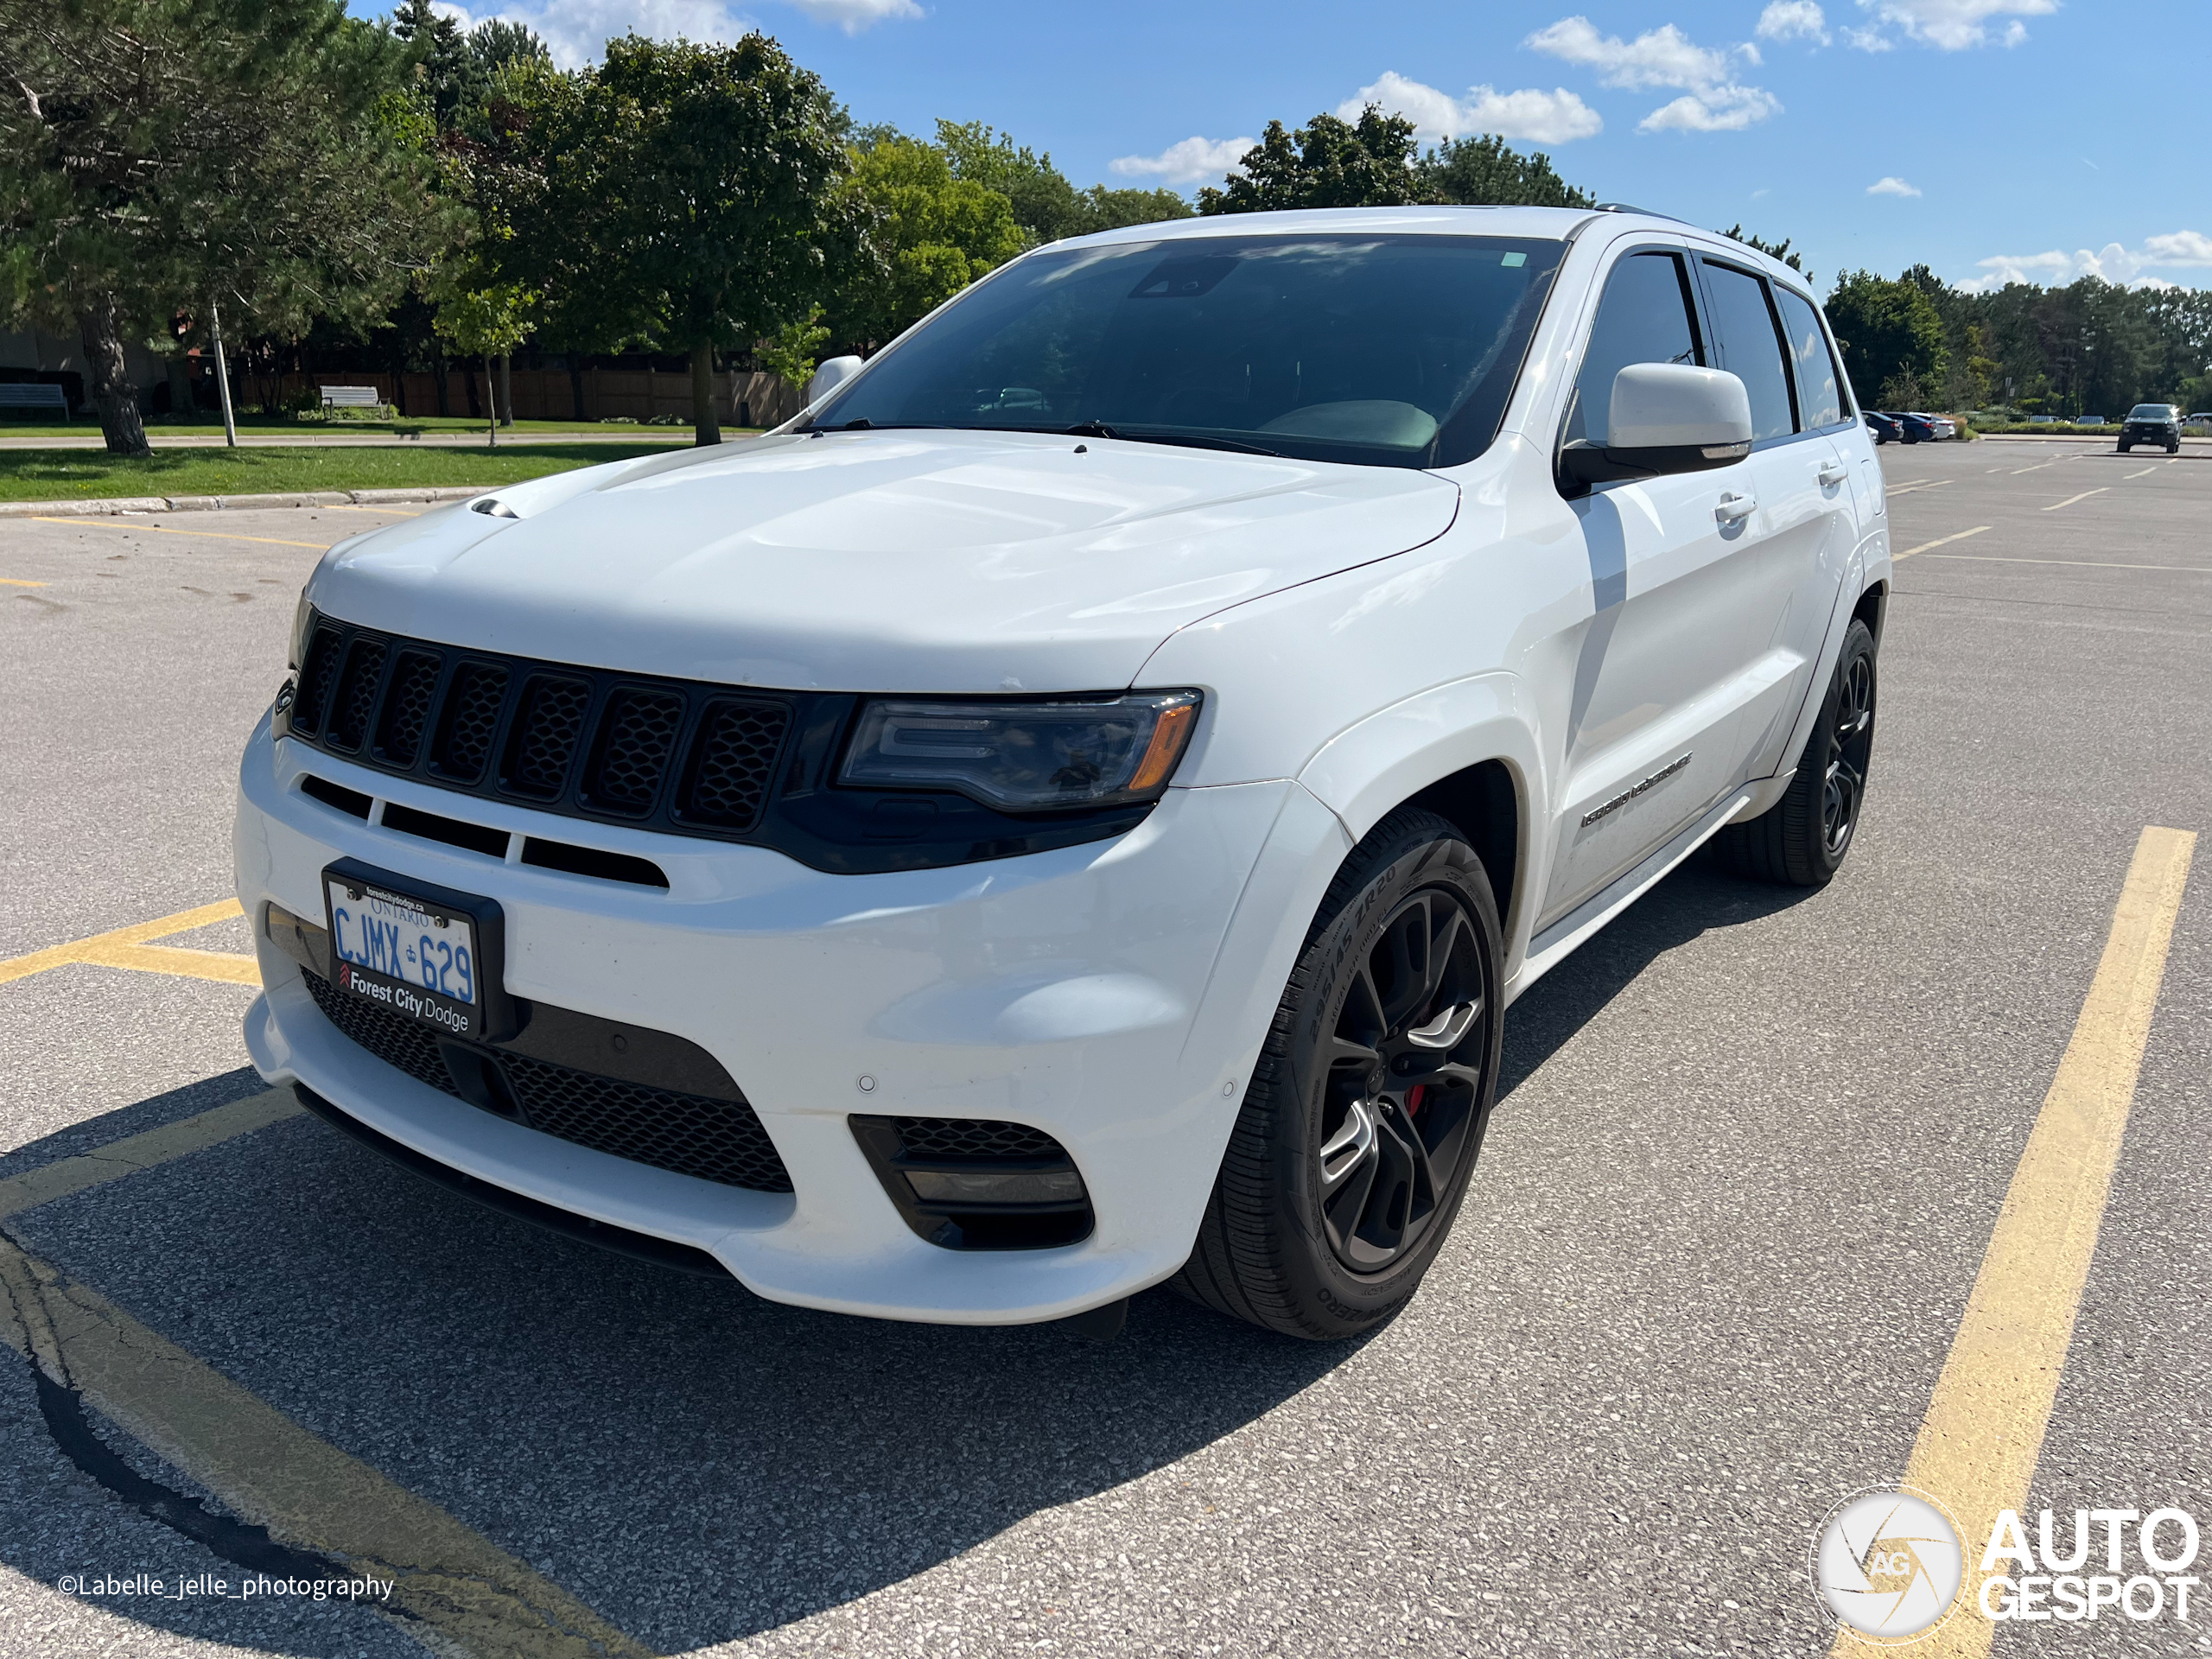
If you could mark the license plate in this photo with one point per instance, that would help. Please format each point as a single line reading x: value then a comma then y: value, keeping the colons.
x: 407, y: 953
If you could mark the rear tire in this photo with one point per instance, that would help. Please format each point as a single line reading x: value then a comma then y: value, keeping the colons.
x: 1801, y: 840
x: 1365, y: 1113
x: 2125, y: 447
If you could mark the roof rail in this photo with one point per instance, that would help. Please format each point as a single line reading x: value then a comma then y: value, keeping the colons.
x: 1628, y: 207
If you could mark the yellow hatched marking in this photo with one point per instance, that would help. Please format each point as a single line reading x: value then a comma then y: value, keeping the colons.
x: 126, y: 947
x: 1982, y: 1437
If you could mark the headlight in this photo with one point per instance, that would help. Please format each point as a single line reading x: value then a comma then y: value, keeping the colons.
x: 1025, y: 756
x: 300, y: 620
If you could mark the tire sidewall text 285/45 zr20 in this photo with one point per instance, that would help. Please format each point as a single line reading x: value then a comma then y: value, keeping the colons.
x: 1362, y: 1123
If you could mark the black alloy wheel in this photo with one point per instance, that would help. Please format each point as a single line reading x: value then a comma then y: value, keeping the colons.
x: 1405, y: 1072
x: 1850, y: 722
x: 1801, y: 839
x: 1360, y: 1127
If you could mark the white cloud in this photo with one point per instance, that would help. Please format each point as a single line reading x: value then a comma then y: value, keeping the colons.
x: 2113, y: 262
x: 576, y: 31
x: 1792, y: 20
x: 1954, y: 25
x: 854, y: 15
x: 1712, y: 101
x: 1721, y: 108
x: 1555, y: 118
x: 1181, y: 163
x: 1892, y: 186
x: 1869, y: 40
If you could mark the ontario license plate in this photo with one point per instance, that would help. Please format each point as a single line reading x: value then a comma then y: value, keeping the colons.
x: 406, y: 953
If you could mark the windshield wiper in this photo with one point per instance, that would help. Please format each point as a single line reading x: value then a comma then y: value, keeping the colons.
x: 1185, y: 439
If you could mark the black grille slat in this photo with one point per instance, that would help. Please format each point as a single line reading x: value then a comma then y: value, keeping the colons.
x: 406, y: 708
x: 316, y: 679
x: 357, y: 692
x: 978, y: 1138
x: 677, y: 756
x: 468, y: 721
x: 733, y: 760
x: 637, y: 739
x: 546, y: 727
x: 718, y: 1140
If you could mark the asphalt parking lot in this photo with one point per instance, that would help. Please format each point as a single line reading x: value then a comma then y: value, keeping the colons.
x: 1752, y: 1149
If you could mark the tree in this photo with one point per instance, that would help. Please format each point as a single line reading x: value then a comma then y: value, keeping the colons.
x: 1045, y: 204
x: 685, y: 196
x: 930, y: 234
x: 1887, y: 329
x: 457, y: 71
x: 153, y: 154
x: 487, y: 321
x: 1328, y: 162
x: 1773, y: 249
x: 1487, y: 171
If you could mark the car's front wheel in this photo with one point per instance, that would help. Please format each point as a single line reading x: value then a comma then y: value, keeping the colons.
x: 2125, y: 447
x: 1361, y: 1124
x: 1801, y: 839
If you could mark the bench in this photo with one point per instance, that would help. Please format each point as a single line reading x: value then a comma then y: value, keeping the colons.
x: 34, y: 395
x: 350, y: 398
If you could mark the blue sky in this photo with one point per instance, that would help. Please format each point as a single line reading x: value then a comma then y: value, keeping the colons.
x: 2036, y: 138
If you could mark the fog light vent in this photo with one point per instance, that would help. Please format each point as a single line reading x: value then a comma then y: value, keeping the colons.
x: 976, y: 1184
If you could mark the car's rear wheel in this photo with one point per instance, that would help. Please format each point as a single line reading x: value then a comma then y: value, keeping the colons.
x: 1361, y: 1124
x: 1801, y: 839
x: 2125, y: 447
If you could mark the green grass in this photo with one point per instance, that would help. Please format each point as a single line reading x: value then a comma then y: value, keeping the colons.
x: 78, y: 474
x: 161, y: 427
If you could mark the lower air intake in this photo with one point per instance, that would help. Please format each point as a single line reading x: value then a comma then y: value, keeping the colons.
x: 690, y: 1134
x: 978, y: 1184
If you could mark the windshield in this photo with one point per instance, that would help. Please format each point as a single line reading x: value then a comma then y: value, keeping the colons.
x: 2152, y: 412
x: 1395, y: 350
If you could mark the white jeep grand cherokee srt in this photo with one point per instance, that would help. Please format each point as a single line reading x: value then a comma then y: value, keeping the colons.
x: 1071, y: 810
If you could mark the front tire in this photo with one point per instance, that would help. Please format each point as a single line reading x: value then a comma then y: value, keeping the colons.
x: 2125, y: 447
x: 1361, y: 1122
x: 1801, y: 840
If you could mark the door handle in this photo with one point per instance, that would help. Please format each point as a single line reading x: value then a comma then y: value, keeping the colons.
x: 1832, y: 472
x: 1733, y: 508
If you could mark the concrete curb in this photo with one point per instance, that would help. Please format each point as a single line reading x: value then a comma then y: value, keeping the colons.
x: 115, y: 504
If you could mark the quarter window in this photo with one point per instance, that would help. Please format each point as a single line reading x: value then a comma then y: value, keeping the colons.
x: 1646, y: 317
x: 1820, y: 388
x: 1750, y: 346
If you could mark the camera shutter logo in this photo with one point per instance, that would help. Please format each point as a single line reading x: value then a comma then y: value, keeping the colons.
x: 1887, y: 1564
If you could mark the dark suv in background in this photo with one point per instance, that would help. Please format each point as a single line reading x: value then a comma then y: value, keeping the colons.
x: 2159, y: 423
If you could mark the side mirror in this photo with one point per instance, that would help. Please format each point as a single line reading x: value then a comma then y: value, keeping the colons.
x: 1665, y: 417
x: 830, y: 376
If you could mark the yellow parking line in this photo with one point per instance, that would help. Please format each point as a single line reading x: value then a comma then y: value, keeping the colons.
x: 2145, y: 472
x: 2071, y: 500
x: 1908, y: 489
x: 390, y: 513
x: 1940, y: 541
x: 135, y: 1153
x: 2086, y: 564
x: 267, y: 1469
x: 1980, y: 1441
x: 17, y: 581
x: 126, y: 947
x: 164, y: 529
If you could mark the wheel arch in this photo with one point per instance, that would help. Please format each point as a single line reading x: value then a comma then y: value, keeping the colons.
x: 1464, y: 751
x: 1872, y: 605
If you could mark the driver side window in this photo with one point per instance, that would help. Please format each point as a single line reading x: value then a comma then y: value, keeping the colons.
x: 1645, y: 316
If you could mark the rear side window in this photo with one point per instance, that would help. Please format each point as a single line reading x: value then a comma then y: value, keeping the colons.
x: 1645, y: 317
x: 1750, y: 346
x: 1820, y: 388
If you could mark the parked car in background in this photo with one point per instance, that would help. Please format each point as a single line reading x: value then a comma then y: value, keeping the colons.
x: 1944, y: 425
x: 2201, y: 419
x: 2088, y: 420
x: 2159, y: 423
x: 2042, y: 420
x: 1069, y: 811
x: 1884, y: 427
x: 1917, y: 428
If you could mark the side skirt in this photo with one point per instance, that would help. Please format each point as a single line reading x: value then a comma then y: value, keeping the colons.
x: 1556, y: 943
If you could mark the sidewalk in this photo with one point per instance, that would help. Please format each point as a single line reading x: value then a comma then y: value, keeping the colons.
x: 102, y: 505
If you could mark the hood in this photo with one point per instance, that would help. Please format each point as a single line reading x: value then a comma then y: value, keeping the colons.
x: 877, y: 560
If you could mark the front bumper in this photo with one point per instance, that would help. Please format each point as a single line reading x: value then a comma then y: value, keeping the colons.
x: 1113, y: 994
